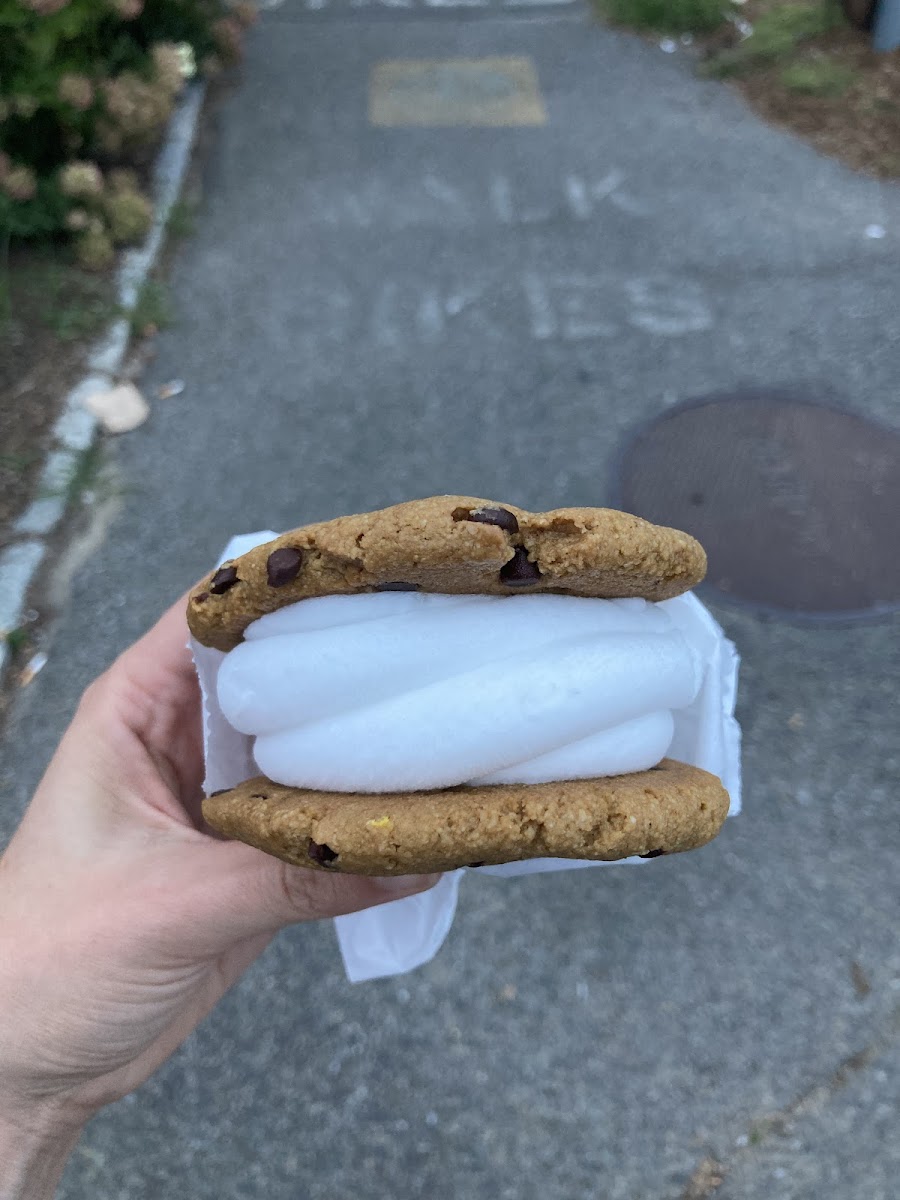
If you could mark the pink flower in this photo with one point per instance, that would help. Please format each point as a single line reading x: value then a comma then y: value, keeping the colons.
x: 20, y: 183
x: 128, y: 10
x: 77, y: 220
x: 81, y: 180
x: 24, y: 106
x: 45, y: 7
x: 167, y: 66
x: 137, y: 109
x: 76, y: 90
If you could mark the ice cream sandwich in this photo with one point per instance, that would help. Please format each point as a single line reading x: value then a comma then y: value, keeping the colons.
x: 455, y: 682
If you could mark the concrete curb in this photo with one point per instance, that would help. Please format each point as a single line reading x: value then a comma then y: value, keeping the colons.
x: 76, y: 429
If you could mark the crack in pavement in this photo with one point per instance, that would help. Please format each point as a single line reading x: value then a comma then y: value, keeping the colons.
x: 711, y: 1172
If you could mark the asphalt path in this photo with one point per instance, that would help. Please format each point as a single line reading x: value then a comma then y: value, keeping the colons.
x: 371, y: 312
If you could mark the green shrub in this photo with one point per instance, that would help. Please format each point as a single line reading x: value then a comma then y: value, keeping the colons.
x: 667, y: 16
x: 86, y: 88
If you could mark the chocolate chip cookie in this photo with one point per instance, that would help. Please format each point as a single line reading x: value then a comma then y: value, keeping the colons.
x: 449, y: 544
x: 671, y: 808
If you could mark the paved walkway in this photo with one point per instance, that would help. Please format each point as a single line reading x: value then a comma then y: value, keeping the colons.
x: 373, y: 312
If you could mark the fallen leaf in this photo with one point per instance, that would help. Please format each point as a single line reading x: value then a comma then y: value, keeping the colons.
x: 706, y: 1179
x: 861, y: 984
x: 119, y: 409
x: 797, y: 721
x: 36, y: 663
x: 173, y: 388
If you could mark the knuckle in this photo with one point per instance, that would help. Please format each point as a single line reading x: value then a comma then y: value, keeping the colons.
x: 96, y: 697
x: 307, y: 895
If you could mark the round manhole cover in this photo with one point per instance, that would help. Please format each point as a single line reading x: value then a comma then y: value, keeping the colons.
x: 796, y: 503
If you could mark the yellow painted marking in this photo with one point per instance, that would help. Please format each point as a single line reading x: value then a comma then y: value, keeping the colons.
x: 499, y: 90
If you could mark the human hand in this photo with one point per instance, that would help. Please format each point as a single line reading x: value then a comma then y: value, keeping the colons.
x: 123, y: 921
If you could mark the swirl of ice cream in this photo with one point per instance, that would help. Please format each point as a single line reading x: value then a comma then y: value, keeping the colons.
x: 398, y: 691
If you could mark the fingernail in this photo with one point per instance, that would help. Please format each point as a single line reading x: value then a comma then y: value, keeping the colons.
x: 405, y: 885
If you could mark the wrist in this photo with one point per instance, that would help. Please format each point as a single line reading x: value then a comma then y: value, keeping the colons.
x: 33, y: 1152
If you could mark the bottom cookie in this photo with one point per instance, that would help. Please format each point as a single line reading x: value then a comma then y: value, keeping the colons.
x: 670, y: 808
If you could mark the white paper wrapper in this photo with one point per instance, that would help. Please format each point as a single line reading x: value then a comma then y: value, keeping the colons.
x: 404, y: 934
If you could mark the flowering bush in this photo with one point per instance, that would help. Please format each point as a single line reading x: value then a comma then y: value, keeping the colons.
x: 86, y: 88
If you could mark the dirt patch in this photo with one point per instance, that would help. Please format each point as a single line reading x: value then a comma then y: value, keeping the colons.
x: 861, y: 126
x: 806, y: 65
x: 705, y: 1181
x: 829, y: 87
x: 51, y: 313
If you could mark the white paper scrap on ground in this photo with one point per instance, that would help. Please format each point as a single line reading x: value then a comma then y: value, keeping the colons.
x: 403, y: 934
x: 119, y: 409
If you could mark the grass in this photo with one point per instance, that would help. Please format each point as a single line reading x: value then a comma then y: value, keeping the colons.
x: 73, y: 304
x: 18, y: 462
x: 818, y: 77
x: 16, y: 639
x: 781, y: 29
x: 69, y: 302
x: 5, y: 286
x: 6, y: 305
x: 91, y: 478
x: 777, y: 34
x: 666, y: 16
x: 153, y: 308
x: 81, y: 315
x: 182, y: 219
x: 86, y: 473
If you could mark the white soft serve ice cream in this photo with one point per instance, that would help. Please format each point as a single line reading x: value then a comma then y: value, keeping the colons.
x: 397, y: 691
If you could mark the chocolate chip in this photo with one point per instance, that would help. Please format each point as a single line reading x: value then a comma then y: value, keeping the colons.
x: 478, y: 864
x: 652, y: 854
x: 396, y: 587
x: 520, y: 570
x: 501, y: 517
x: 282, y: 566
x: 320, y: 853
x: 224, y: 578
x: 220, y: 792
x: 203, y: 596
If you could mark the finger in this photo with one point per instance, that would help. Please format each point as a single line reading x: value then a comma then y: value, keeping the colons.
x: 239, y: 892
x: 156, y: 694
x: 163, y: 650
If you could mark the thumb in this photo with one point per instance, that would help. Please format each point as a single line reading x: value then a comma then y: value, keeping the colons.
x: 242, y: 892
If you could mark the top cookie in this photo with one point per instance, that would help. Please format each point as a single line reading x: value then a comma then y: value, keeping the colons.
x: 450, y: 544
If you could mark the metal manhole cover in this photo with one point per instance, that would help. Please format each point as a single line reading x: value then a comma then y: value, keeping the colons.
x: 796, y: 503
